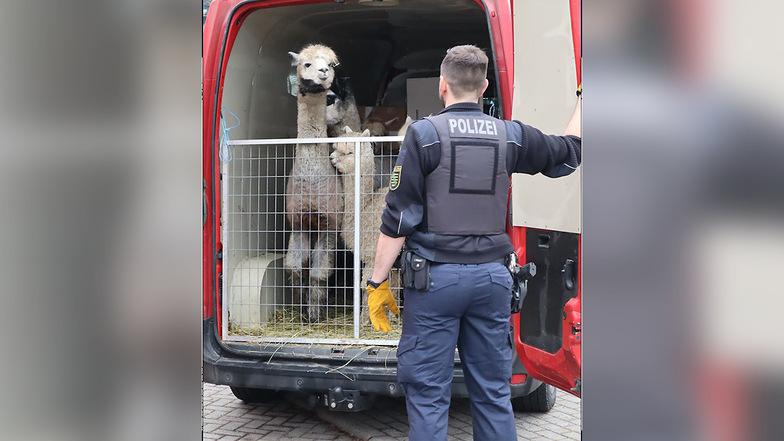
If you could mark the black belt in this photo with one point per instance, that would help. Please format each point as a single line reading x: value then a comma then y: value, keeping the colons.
x: 501, y: 260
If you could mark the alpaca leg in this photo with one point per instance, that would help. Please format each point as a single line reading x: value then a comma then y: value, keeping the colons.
x: 295, y: 260
x: 322, y: 266
x: 367, y: 169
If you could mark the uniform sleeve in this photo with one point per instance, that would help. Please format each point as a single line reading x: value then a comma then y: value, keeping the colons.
x: 405, y: 200
x: 532, y: 152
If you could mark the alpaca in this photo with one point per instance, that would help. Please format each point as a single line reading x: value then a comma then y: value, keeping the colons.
x: 371, y: 204
x: 386, y: 152
x: 314, y: 192
x: 376, y: 126
x: 342, y: 107
x: 379, y: 126
x: 342, y: 111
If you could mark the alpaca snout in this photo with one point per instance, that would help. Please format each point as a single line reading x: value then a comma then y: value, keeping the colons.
x: 323, y: 73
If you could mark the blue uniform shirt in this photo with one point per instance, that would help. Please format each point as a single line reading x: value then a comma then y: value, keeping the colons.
x: 528, y: 151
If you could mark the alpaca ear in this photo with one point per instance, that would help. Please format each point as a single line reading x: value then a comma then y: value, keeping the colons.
x: 294, y: 56
x: 366, y: 132
x: 408, y: 120
x: 347, y: 129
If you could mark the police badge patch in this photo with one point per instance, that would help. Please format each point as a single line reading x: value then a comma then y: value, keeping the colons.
x: 394, y: 181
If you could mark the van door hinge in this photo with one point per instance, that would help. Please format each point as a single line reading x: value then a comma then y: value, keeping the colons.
x: 578, y: 385
x: 219, y: 254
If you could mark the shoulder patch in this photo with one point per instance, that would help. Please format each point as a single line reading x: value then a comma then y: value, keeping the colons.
x: 394, y: 180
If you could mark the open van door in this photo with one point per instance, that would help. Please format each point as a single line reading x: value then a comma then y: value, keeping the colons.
x: 546, y: 213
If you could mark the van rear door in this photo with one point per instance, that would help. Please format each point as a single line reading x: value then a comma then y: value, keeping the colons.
x: 546, y: 221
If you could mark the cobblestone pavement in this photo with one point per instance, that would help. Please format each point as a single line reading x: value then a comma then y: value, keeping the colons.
x: 387, y: 421
x: 227, y: 418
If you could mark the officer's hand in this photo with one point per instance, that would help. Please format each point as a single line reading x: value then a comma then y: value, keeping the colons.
x: 378, y: 298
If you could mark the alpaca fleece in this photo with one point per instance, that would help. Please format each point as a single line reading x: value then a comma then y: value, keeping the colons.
x: 371, y: 205
x: 314, y: 192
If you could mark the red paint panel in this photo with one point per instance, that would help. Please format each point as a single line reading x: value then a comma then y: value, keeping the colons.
x: 214, y: 32
x: 499, y: 15
x: 519, y: 378
x: 575, y: 7
x: 517, y: 235
x: 561, y: 368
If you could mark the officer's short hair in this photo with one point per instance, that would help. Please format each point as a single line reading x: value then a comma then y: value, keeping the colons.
x: 465, y: 69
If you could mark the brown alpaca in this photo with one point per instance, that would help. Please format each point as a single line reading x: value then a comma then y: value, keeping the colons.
x: 371, y: 205
x: 314, y: 193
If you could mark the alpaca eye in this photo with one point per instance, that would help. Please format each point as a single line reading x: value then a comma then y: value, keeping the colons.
x: 307, y: 64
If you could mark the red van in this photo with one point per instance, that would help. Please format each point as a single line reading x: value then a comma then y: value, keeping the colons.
x: 256, y: 338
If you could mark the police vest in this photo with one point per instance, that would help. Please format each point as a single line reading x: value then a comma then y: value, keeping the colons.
x: 467, y: 193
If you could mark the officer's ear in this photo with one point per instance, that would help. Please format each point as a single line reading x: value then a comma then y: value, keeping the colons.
x: 484, y: 88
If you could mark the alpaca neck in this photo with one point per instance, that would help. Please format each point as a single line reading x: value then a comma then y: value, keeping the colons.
x: 312, y: 115
x: 348, y: 210
x: 312, y: 123
x: 367, y: 170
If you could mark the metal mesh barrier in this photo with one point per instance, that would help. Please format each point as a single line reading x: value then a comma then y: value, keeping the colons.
x: 297, y: 240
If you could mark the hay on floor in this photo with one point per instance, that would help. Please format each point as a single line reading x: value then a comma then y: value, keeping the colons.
x: 289, y: 322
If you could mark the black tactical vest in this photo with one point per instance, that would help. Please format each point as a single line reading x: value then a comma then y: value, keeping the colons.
x: 467, y: 193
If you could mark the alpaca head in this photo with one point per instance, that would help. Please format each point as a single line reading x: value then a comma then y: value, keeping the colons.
x: 340, y: 98
x: 315, y: 68
x: 348, y: 132
x: 334, y: 108
x: 348, y: 147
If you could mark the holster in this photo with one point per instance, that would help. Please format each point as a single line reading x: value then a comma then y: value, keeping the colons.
x: 520, y: 277
x: 415, y: 270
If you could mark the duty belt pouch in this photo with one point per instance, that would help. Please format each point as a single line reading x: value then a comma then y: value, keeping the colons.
x: 416, y: 271
x: 421, y: 270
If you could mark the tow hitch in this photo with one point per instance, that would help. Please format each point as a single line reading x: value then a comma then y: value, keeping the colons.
x: 338, y: 399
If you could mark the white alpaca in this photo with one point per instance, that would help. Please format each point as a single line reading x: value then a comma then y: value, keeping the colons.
x: 371, y: 204
x: 314, y: 193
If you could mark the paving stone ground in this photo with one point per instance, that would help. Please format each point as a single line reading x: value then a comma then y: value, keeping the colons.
x: 387, y: 420
x: 227, y: 418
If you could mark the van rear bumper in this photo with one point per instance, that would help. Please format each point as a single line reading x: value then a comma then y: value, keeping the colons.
x: 276, y: 369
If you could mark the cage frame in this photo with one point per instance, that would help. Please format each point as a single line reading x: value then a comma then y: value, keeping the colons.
x: 357, y: 270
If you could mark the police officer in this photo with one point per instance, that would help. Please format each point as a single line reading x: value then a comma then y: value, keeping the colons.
x: 447, y: 201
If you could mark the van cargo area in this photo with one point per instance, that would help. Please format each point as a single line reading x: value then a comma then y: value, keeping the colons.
x: 390, y: 52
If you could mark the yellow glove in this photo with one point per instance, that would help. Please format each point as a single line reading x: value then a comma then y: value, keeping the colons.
x: 378, y: 298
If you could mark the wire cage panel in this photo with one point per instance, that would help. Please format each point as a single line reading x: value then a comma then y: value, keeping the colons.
x: 298, y: 236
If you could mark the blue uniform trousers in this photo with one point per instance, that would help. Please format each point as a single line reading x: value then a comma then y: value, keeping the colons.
x: 466, y: 306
